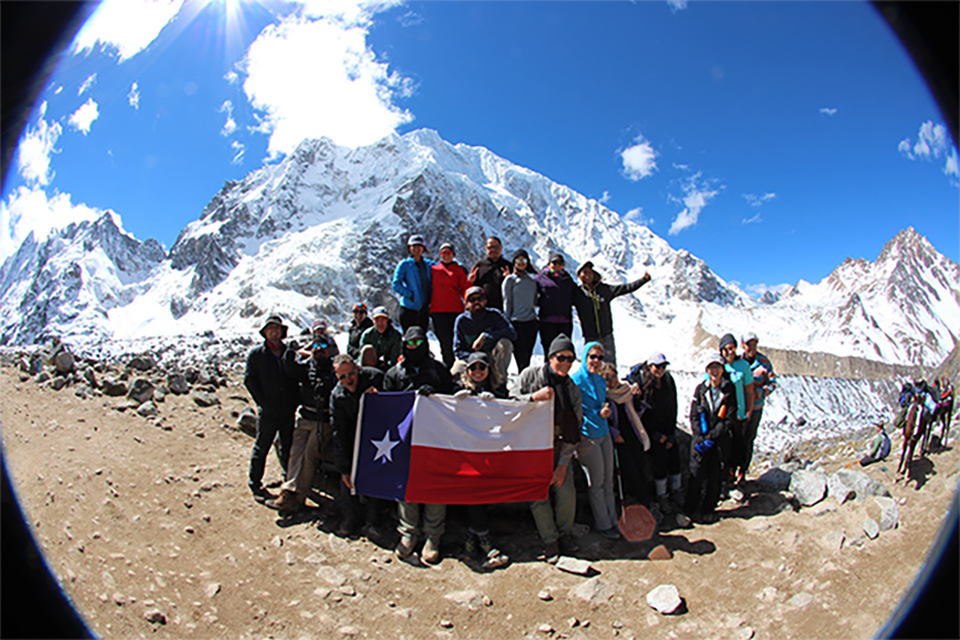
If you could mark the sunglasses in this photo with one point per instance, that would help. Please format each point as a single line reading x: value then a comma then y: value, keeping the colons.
x: 320, y: 345
x: 660, y: 366
x: 362, y: 312
x: 476, y: 298
x: 595, y: 356
x: 416, y: 342
x: 477, y: 366
x: 565, y: 358
x: 344, y: 376
x: 521, y: 261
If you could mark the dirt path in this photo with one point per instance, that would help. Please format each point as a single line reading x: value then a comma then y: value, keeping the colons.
x: 141, y: 521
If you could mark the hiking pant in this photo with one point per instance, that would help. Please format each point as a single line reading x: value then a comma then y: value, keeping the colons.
x: 270, y: 425
x: 556, y: 520
x: 525, y: 342
x: 304, y: 456
x: 750, y: 428
x: 443, y: 328
x: 415, y: 318
x: 434, y: 516
x: 703, y: 492
x: 596, y: 458
x: 550, y: 330
x: 665, y: 461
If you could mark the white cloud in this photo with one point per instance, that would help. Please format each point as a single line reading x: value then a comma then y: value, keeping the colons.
x: 697, y: 194
x: 125, y: 26
x: 636, y: 216
x: 932, y: 143
x: 36, y: 147
x: 754, y: 219
x: 239, y: 149
x: 87, y: 84
x: 230, y: 125
x: 134, y: 96
x: 339, y: 89
x: 828, y: 111
x: 639, y: 161
x: 57, y: 91
x: 755, y: 201
x: 30, y: 210
x: 605, y: 198
x: 677, y: 5
x: 231, y: 76
x: 82, y: 118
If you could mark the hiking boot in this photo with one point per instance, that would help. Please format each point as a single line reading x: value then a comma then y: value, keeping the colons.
x: 348, y: 525
x: 568, y: 544
x: 665, y: 504
x: 261, y: 495
x: 613, y: 533
x: 682, y: 521
x: 551, y: 552
x: 405, y: 547
x: 471, y: 550
x: 431, y: 551
x: 679, y: 500
x: 490, y: 557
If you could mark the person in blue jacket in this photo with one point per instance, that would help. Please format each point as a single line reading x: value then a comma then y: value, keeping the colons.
x: 411, y: 280
x: 595, y: 449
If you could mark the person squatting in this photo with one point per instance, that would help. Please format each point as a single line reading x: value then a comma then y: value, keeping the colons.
x: 309, y: 399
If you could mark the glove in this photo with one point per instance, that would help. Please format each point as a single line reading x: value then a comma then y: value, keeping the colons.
x: 463, y: 393
x: 486, y: 395
x: 704, y: 446
x: 425, y: 390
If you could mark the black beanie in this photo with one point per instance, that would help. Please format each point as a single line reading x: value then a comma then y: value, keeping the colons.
x: 561, y: 343
x: 727, y: 339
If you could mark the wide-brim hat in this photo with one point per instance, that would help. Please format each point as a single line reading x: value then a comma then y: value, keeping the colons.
x: 274, y: 319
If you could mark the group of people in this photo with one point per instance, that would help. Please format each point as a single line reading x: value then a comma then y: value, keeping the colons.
x: 309, y: 397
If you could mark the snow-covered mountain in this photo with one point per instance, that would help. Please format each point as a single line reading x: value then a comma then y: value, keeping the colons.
x: 326, y: 226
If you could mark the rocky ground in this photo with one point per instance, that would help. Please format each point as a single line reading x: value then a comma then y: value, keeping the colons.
x: 146, y: 520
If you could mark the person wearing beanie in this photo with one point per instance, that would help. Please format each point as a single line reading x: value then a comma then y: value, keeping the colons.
x: 550, y: 382
x: 740, y: 374
x: 482, y: 329
x: 418, y: 371
x: 277, y: 396
x: 312, y: 368
x: 489, y: 272
x: 592, y: 301
x: 446, y: 301
x: 657, y: 404
x: 555, y: 298
x: 712, y: 415
x: 520, y: 307
x: 411, y: 280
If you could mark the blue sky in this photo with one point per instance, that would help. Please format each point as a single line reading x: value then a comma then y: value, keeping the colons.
x: 771, y: 139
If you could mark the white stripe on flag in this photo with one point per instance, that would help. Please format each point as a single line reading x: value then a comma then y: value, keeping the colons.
x: 472, y: 424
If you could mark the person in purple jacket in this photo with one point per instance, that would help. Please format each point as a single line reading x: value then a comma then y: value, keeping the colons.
x: 555, y: 292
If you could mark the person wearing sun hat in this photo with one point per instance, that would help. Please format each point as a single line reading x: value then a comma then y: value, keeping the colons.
x: 276, y: 395
x: 411, y: 280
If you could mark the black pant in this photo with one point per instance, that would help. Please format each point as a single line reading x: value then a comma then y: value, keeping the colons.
x: 703, y: 492
x: 270, y: 424
x: 632, y: 460
x: 413, y: 318
x: 523, y: 345
x: 550, y: 330
x: 665, y: 461
x: 443, y: 327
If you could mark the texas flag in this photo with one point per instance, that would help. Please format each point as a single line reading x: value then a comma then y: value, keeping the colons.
x: 444, y: 450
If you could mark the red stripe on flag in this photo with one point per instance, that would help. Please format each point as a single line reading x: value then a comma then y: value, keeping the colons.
x: 446, y: 476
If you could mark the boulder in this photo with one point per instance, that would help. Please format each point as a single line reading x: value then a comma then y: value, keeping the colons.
x: 90, y: 376
x: 143, y: 362
x: 177, y: 383
x: 775, y: 479
x: 58, y: 383
x: 113, y: 387
x: 147, y: 409
x: 838, y: 489
x: 64, y: 362
x: 871, y: 528
x: 204, y: 398
x: 247, y: 422
x: 809, y: 487
x: 141, y: 390
x: 665, y: 599
x: 889, y: 513
x: 863, y: 484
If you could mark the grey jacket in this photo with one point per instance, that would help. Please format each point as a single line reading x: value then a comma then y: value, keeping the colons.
x: 534, y: 378
x: 520, y: 298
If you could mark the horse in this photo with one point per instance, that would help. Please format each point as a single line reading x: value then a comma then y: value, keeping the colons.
x: 911, y: 433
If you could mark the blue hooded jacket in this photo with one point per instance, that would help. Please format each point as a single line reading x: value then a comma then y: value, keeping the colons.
x: 593, y: 393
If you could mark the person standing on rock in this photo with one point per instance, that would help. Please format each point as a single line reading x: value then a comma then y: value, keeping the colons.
x: 555, y: 297
x: 656, y: 402
x: 489, y: 272
x: 446, y: 301
x: 381, y: 344
x: 520, y: 307
x: 411, y: 280
x: 740, y: 374
x: 418, y: 371
x: 312, y: 368
x: 482, y: 329
x: 277, y: 396
x: 551, y: 382
x: 360, y: 323
x: 764, y: 383
x: 352, y: 382
x: 712, y: 415
x: 592, y: 301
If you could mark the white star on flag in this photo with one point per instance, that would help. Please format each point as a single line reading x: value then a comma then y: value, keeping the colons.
x: 384, y: 447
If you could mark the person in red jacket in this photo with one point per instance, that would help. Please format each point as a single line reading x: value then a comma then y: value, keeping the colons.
x: 446, y: 301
